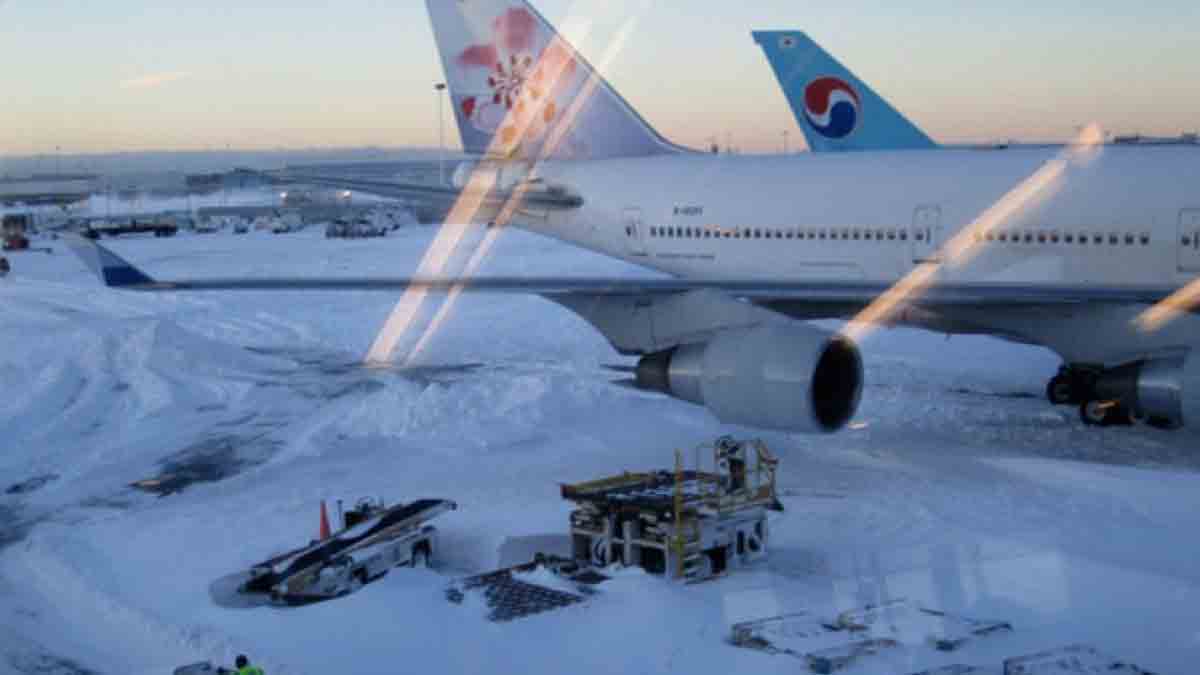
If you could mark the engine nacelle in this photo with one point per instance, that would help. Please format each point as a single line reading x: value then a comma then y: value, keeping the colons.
x: 791, y: 378
x: 1166, y: 390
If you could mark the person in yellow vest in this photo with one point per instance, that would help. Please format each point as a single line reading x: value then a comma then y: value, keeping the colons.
x: 243, y: 667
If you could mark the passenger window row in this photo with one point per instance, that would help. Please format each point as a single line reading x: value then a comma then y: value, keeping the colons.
x: 1055, y: 237
x: 714, y: 231
x: 892, y: 234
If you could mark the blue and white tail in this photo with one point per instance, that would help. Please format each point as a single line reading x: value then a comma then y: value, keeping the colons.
x: 520, y: 90
x: 835, y: 110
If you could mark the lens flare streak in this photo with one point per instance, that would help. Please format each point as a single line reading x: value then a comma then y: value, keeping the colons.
x: 971, y: 240
x: 558, y: 133
x: 405, y: 318
x: 1176, y: 305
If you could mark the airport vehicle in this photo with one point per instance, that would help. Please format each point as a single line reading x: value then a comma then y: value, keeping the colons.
x: 374, y: 539
x: 14, y: 231
x: 690, y: 524
x: 828, y: 100
x: 1065, y: 247
x: 212, y: 225
x: 158, y: 229
x: 359, y: 228
x: 276, y: 223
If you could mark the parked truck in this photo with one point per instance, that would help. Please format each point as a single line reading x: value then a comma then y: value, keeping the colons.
x: 14, y: 229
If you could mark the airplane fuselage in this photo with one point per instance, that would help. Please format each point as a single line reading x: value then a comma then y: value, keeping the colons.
x: 1110, y: 216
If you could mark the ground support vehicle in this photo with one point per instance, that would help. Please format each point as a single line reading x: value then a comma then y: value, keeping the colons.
x: 374, y: 539
x: 133, y: 227
x: 13, y: 230
x: 689, y: 525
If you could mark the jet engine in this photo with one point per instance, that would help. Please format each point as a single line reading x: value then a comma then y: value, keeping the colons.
x: 791, y: 378
x: 1165, y: 391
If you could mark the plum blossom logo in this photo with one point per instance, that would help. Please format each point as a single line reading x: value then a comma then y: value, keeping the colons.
x: 522, y: 74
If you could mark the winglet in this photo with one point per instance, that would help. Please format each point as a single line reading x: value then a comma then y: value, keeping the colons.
x: 112, y: 269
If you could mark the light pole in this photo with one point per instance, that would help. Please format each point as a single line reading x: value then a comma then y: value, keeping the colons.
x: 785, y: 141
x: 438, y: 88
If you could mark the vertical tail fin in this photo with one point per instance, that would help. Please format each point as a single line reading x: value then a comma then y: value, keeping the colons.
x: 520, y: 90
x: 835, y: 110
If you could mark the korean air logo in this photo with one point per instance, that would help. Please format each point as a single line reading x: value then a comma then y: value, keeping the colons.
x: 832, y: 107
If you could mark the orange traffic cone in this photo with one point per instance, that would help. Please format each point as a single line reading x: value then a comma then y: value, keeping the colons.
x: 324, y: 533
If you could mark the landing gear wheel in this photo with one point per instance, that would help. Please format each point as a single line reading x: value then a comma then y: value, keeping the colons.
x: 1104, y: 413
x: 1061, y: 390
x: 1152, y: 422
x: 1137, y: 418
x: 1160, y: 423
x: 1093, y: 413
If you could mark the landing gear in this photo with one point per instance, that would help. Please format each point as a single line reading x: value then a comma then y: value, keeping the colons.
x: 420, y: 558
x: 1105, y: 413
x: 1072, y: 385
x: 1106, y: 396
x: 1076, y: 385
x: 1061, y: 390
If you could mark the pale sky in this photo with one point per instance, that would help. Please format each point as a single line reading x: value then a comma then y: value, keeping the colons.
x: 126, y: 75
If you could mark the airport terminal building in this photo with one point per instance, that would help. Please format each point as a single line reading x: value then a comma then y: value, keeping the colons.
x: 48, y: 189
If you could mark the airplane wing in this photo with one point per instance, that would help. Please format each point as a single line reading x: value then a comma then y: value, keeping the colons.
x: 433, y: 194
x: 116, y: 272
x: 444, y: 197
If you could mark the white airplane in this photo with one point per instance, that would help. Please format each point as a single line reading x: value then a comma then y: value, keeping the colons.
x: 1062, y: 247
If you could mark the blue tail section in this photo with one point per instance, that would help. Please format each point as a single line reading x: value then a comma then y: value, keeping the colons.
x: 835, y: 110
x: 112, y: 269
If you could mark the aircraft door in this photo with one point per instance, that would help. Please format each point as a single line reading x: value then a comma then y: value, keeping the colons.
x: 1188, y: 243
x: 926, y: 235
x: 634, y: 230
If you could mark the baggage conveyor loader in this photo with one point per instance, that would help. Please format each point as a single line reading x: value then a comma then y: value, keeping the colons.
x: 374, y: 539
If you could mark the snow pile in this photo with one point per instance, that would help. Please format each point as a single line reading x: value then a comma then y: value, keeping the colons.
x: 957, y: 487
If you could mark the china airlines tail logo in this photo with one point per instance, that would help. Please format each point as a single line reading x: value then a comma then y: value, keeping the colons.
x: 520, y: 69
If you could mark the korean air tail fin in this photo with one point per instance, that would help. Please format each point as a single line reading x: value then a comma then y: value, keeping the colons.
x: 835, y: 110
x: 520, y: 90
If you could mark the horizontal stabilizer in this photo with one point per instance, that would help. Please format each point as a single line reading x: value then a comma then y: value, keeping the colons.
x: 500, y: 190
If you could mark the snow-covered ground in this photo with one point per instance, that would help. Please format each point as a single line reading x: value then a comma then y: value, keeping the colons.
x: 958, y: 487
